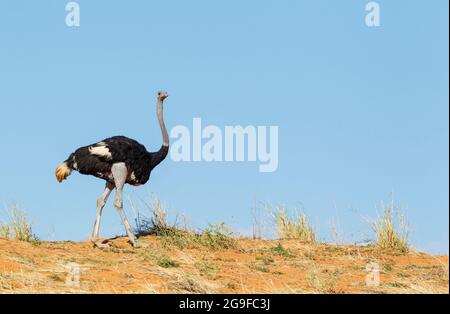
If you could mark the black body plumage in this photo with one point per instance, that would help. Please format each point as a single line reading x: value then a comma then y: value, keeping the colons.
x: 138, y: 160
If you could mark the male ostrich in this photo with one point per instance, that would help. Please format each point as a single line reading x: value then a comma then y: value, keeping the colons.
x: 117, y: 160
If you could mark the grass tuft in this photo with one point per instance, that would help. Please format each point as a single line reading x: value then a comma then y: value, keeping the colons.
x: 215, y: 236
x: 18, y: 227
x: 292, y: 226
x: 323, y: 280
x: 391, y: 229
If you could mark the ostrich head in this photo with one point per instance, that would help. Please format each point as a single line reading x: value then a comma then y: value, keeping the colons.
x: 159, y: 113
x: 162, y: 95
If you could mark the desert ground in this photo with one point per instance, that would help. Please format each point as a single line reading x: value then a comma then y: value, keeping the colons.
x: 216, y: 265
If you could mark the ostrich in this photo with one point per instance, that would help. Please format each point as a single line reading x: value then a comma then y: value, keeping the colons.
x: 117, y: 160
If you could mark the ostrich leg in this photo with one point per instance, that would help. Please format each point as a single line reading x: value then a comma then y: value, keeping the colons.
x: 120, y: 173
x: 100, y: 204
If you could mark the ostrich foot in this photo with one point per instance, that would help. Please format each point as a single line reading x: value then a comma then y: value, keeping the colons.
x: 101, y: 245
x: 138, y: 244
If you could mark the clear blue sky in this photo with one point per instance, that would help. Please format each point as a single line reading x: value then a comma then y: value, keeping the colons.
x: 362, y: 112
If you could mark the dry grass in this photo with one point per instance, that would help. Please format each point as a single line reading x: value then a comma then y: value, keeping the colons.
x: 293, y: 226
x: 391, y: 229
x: 155, y: 222
x: 323, y: 280
x: 207, y: 269
x: 18, y: 227
x: 160, y: 259
x: 183, y: 283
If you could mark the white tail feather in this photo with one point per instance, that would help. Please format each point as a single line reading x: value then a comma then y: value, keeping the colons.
x: 62, y: 172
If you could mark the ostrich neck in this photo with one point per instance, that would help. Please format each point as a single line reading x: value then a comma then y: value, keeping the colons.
x: 160, y: 114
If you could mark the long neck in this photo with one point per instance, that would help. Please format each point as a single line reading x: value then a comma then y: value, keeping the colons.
x: 159, y: 113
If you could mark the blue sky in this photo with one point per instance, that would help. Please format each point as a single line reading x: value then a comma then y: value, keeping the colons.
x: 362, y: 112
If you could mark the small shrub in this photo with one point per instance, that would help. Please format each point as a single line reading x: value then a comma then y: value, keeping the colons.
x: 260, y: 268
x: 55, y: 278
x: 231, y: 285
x: 396, y: 285
x: 166, y: 262
x: 214, y: 237
x: 161, y: 260
x: 217, y: 236
x: 207, y: 269
x: 265, y: 260
x: 387, y: 267
x: 309, y: 256
x: 280, y: 250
